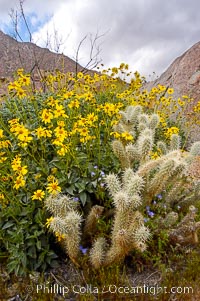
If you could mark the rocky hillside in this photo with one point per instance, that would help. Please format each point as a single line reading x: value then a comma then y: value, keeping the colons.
x: 183, y: 74
x: 14, y: 55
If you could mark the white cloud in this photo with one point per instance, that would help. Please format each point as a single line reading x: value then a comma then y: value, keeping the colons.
x: 148, y: 35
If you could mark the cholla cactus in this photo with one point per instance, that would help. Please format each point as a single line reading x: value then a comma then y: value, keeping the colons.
x: 66, y: 221
x: 169, y: 174
x: 97, y: 253
x: 92, y: 220
x: 128, y: 230
x: 160, y: 174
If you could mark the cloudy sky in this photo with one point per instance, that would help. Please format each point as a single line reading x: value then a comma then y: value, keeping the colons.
x: 146, y: 34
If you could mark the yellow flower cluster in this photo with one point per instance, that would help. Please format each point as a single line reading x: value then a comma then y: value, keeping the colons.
x: 43, y: 132
x: 59, y: 236
x: 156, y: 154
x: 123, y: 136
x: 170, y: 131
x: 20, y: 131
x: 110, y: 108
x: 197, y: 107
x: 18, y: 85
x: 73, y: 115
x: 4, y: 143
x: 2, y: 158
x: 19, y: 172
x: 3, y: 201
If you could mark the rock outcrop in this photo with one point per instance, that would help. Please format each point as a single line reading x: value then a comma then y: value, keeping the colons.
x: 183, y: 74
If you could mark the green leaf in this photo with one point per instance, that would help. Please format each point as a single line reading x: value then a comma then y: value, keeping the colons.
x: 83, y: 198
x: 70, y: 189
x: 94, y: 183
x: 8, y: 225
x: 32, y: 252
x: 23, y: 259
x: 38, y: 245
x: 39, y: 216
x: 80, y: 186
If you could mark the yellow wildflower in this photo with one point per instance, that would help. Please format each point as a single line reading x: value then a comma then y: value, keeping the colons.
x: 74, y: 104
x: 46, y: 116
x: 80, y: 75
x: 83, y: 131
x: 2, y: 159
x: 58, y: 141
x: 54, y: 170
x: 19, y: 182
x: 14, y: 121
x: 48, y: 221
x: 37, y: 176
x: 60, y: 133
x: 127, y: 136
x: 53, y: 187
x: 16, y: 162
x: 63, y: 150
x: 61, y: 123
x: 89, y: 97
x: 43, y: 132
x: 170, y: 91
x: 59, y: 236
x: 1, y: 133
x: 24, y: 80
x: 13, y: 86
x: 20, y: 92
x: 50, y: 178
x: 115, y: 134
x: 154, y: 155
x: 170, y: 131
x: 21, y: 170
x: 91, y: 118
x: 59, y: 111
x: 38, y: 195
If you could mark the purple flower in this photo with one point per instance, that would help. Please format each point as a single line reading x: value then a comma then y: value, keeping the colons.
x: 93, y: 173
x: 102, y: 173
x: 102, y: 184
x: 151, y: 213
x: 154, y: 202
x: 159, y: 196
x: 76, y: 199
x: 95, y: 166
x: 83, y: 250
x: 146, y: 220
x: 147, y: 208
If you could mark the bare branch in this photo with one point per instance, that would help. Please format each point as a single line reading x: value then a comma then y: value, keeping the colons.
x: 21, y: 3
x: 77, y: 52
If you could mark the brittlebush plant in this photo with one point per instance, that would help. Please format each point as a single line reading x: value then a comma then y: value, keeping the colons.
x: 57, y: 139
